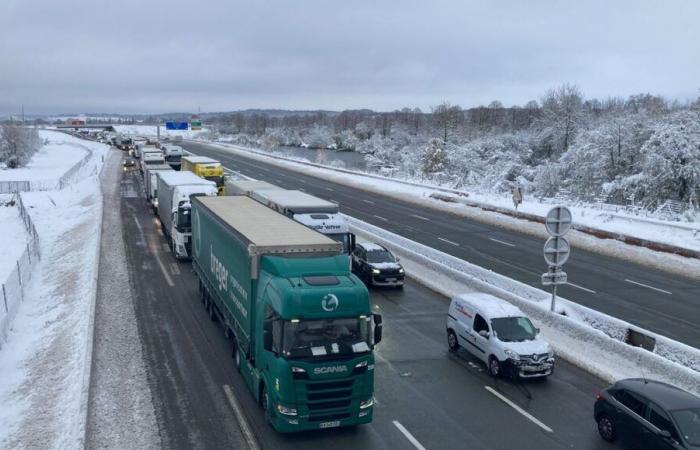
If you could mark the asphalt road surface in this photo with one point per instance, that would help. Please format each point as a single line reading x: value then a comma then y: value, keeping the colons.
x: 426, y: 396
x: 655, y: 300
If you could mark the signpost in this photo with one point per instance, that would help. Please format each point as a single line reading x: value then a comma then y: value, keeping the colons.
x: 557, y: 248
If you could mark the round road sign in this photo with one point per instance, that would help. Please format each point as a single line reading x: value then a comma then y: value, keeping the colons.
x: 556, y: 251
x: 558, y: 221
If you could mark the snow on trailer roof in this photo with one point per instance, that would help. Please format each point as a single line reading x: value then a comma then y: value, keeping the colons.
x: 267, y: 230
x: 200, y: 160
x: 372, y: 247
x: 176, y: 177
x: 246, y: 186
x: 491, y: 306
x: 297, y: 201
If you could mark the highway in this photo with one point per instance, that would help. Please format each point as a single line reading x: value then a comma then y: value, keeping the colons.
x: 655, y: 300
x: 426, y: 396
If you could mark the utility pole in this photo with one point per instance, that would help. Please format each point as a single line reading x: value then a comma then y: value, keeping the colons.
x: 22, y: 115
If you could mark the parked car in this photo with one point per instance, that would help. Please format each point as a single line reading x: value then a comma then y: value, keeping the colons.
x: 648, y: 414
x: 376, y: 266
x: 500, y: 335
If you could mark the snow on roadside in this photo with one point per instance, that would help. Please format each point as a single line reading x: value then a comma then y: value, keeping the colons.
x: 667, y: 262
x: 11, y: 225
x: 44, y: 359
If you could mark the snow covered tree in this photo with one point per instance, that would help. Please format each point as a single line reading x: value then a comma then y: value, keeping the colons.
x: 17, y: 144
x: 562, y: 116
x: 435, y: 158
x: 446, y: 118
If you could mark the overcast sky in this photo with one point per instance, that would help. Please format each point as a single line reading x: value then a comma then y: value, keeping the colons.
x: 132, y: 56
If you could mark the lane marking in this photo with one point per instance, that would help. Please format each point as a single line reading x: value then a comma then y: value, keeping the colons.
x: 408, y: 435
x: 502, y: 242
x: 590, y: 291
x: 164, y: 270
x: 532, y: 418
x: 329, y: 189
x: 368, y: 201
x: 420, y: 217
x: 448, y: 241
x: 138, y: 224
x: 648, y: 287
x: 174, y: 268
x: 166, y: 248
x: 382, y: 218
x: 242, y: 422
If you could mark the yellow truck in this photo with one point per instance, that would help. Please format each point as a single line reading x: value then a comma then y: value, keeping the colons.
x: 207, y: 168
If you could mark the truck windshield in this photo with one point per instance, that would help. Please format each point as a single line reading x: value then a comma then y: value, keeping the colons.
x: 318, y: 338
x: 184, y: 223
x: 343, y: 239
x: 514, y: 329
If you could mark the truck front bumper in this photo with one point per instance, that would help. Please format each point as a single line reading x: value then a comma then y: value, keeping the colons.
x: 291, y: 424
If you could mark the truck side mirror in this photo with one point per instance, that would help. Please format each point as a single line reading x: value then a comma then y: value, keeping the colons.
x: 377, y: 328
x: 352, y: 241
x: 267, y: 340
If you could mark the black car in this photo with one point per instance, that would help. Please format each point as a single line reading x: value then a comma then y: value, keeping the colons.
x: 646, y: 414
x: 376, y: 266
x: 128, y: 162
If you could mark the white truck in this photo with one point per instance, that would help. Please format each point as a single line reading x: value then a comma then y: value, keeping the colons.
x: 173, y: 155
x: 151, y: 156
x: 316, y: 213
x: 150, y: 182
x: 175, y: 190
x: 246, y: 187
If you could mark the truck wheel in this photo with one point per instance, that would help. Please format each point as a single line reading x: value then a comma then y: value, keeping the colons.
x: 452, y: 341
x: 211, y: 311
x: 265, y: 401
x: 237, y: 357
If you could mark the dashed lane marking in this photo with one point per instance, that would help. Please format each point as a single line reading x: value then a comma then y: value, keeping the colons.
x: 174, y: 268
x: 448, y: 241
x: 502, y: 242
x: 590, y: 291
x: 649, y: 287
x: 420, y: 217
x: 527, y: 415
x: 242, y: 422
x: 368, y: 201
x: 408, y: 435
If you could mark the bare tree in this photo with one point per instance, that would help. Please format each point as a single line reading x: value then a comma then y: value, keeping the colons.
x: 17, y: 144
x: 562, y: 116
x: 446, y: 118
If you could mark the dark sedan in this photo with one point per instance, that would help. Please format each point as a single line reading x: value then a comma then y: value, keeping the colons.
x: 376, y: 266
x: 646, y: 414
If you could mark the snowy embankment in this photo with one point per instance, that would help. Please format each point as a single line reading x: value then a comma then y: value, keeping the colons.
x: 45, y: 361
x: 587, y: 338
x: 420, y: 195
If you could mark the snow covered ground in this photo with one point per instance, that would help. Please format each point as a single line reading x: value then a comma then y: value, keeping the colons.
x: 11, y: 225
x: 421, y: 195
x: 44, y: 362
x: 151, y: 130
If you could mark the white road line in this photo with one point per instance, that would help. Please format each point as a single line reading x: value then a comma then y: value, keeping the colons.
x: 502, y: 242
x: 420, y: 217
x: 408, y: 435
x: 138, y: 224
x: 382, y: 218
x: 174, y: 268
x: 242, y: 422
x: 532, y: 418
x: 648, y: 287
x: 448, y: 241
x: 368, y: 201
x: 164, y: 270
x: 590, y: 291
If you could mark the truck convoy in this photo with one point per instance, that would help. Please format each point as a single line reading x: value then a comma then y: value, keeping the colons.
x: 302, y: 324
x: 206, y: 168
x: 175, y: 190
x: 150, y: 181
x: 316, y: 213
x: 173, y: 155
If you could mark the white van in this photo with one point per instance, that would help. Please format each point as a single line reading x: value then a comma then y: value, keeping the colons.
x: 499, y: 334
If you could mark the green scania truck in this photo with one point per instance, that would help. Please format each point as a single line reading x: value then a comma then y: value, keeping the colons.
x: 301, y: 322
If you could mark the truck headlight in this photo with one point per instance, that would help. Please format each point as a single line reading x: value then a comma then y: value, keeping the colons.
x: 364, y: 404
x: 287, y: 411
x: 511, y: 354
x: 361, y: 364
x: 376, y: 271
x: 298, y: 370
x: 401, y: 270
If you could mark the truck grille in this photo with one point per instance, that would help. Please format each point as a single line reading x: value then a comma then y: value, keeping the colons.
x: 328, y: 399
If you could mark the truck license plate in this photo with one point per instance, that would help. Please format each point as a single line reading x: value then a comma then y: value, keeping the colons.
x: 390, y: 280
x: 335, y: 423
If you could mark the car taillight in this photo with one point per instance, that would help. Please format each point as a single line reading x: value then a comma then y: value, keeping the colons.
x: 598, y: 397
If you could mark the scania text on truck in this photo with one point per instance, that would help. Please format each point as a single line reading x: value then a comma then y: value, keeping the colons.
x: 302, y: 324
x: 150, y: 181
x: 175, y: 191
x: 207, y: 168
x: 316, y: 213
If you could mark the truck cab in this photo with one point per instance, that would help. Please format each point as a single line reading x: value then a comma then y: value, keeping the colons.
x: 207, y: 168
x: 173, y: 155
x: 151, y: 156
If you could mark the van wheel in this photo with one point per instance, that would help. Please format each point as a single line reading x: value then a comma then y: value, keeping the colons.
x: 494, y: 367
x: 606, y: 428
x: 452, y: 341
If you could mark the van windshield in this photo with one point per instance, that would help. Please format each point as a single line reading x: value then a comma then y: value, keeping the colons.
x: 318, y: 338
x: 514, y: 329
